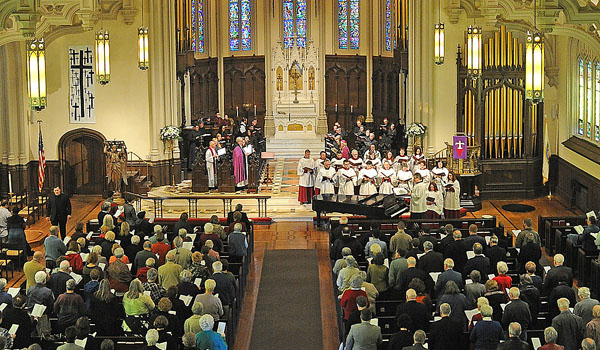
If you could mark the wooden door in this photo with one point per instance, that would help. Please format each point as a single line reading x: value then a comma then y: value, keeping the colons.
x: 83, y: 165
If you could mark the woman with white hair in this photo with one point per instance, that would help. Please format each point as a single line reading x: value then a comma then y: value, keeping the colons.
x: 152, y: 338
x: 504, y: 281
x: 119, y: 254
x: 207, y: 338
x: 209, y: 234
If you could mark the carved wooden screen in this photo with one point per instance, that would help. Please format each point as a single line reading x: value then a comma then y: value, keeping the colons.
x: 386, y: 94
x: 345, y: 89
x: 492, y: 110
x: 204, y: 80
x: 244, y: 83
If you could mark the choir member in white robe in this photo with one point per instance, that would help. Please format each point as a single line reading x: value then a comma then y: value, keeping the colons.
x: 425, y: 173
x: 211, y: 158
x: 326, y: 178
x: 372, y: 149
x: 389, y: 156
x: 452, y: 197
x: 405, y: 178
x: 306, y: 182
x: 347, y: 179
x: 318, y: 165
x: 401, y: 158
x: 355, y: 161
x: 440, y: 171
x: 418, y: 196
x: 366, y: 179
x: 388, y: 178
x: 434, y: 202
x: 338, y: 161
x: 416, y: 159
x: 375, y: 161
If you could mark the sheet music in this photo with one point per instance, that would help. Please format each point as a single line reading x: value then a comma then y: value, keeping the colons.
x: 13, y: 291
x: 187, y: 299
x: 81, y: 342
x: 76, y: 277
x: 536, y: 343
x: 221, y: 327
x: 38, y: 310
x: 13, y: 329
x: 222, y: 151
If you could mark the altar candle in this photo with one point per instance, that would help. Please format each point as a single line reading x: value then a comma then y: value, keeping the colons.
x: 10, y: 182
x: 254, y: 111
x: 237, y: 111
x: 351, y: 108
x: 336, y: 107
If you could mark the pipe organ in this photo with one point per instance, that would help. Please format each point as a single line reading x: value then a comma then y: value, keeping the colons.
x: 183, y: 21
x: 491, y: 110
x: 401, y: 15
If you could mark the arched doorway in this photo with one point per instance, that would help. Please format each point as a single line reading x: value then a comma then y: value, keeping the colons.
x: 81, y: 156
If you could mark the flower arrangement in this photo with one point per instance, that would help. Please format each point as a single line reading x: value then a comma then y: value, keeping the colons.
x: 416, y: 129
x: 170, y: 132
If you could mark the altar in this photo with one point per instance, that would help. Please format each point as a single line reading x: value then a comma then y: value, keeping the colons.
x: 293, y: 121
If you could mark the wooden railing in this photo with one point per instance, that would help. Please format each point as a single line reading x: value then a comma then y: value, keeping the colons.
x: 469, y: 166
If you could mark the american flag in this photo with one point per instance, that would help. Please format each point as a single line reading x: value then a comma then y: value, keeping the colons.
x: 41, y: 163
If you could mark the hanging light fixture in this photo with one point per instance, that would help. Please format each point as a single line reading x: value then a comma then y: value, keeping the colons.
x: 143, y: 61
x: 534, y: 63
x: 102, y: 57
x: 36, y: 74
x: 474, y: 51
x: 439, y: 42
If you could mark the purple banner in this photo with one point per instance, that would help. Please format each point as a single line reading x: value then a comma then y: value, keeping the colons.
x: 460, y: 147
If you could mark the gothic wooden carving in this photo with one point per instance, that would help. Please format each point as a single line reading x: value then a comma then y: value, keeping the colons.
x: 204, y: 88
x: 385, y: 89
x: 346, y: 88
x: 245, y: 85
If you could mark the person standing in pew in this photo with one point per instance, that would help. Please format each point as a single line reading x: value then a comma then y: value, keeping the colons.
x: 400, y: 241
x: 562, y: 290
x: 520, y: 241
x: 584, y: 308
x: 425, y: 236
x: 431, y: 261
x: 414, y: 250
x: 364, y: 335
x: 552, y: 276
x: 443, y: 243
x: 398, y: 264
x: 570, y: 327
x: 69, y: 306
x: 417, y: 311
x: 516, y: 311
x: 17, y: 315
x: 475, y: 289
x: 514, y: 342
x: 495, y: 252
x: 487, y: 333
x: 473, y: 238
x: 531, y: 295
x: 346, y: 241
x: 457, y: 251
x: 531, y: 251
x: 550, y: 336
x: 444, y: 333
x: 448, y: 275
x: 411, y: 272
x: 403, y: 338
x: 479, y: 262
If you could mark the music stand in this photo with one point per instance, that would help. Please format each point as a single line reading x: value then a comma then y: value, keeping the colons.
x: 267, y: 156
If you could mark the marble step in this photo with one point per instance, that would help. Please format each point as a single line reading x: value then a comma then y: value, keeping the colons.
x: 294, y: 148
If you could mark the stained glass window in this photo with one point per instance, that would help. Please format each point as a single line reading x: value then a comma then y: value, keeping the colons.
x: 240, y: 25
x: 388, y: 25
x: 294, y: 23
x: 581, y: 113
x: 589, y: 106
x: 197, y: 9
x: 349, y: 23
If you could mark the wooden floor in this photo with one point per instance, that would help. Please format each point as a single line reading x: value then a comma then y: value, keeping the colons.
x: 301, y: 235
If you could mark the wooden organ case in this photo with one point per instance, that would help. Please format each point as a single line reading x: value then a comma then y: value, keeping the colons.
x: 493, y: 113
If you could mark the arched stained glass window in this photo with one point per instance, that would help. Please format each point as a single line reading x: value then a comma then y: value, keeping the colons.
x: 349, y: 24
x: 197, y: 9
x: 294, y: 23
x: 597, y: 132
x: 388, y: 25
x: 590, y: 99
x: 240, y: 28
x: 581, y: 112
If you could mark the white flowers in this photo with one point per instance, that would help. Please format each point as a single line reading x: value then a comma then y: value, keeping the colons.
x: 416, y: 129
x: 169, y: 132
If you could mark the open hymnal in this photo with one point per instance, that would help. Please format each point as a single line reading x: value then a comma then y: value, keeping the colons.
x: 192, y: 236
x: 590, y: 214
x: 578, y: 229
x: 516, y: 233
x: 13, y: 291
x: 81, y: 342
x: 536, y: 343
x: 84, y: 256
x: 76, y: 277
x: 434, y: 275
x: 547, y: 268
x: 13, y: 329
x: 187, y: 299
x: 502, y: 306
x: 129, y: 266
x: 147, y: 292
x: 471, y: 313
x: 101, y: 265
x: 89, y: 236
x: 38, y: 310
x: 198, y: 281
x: 487, y: 239
x: 221, y: 327
x: 222, y: 151
x: 162, y: 346
x: 248, y: 150
x: 374, y: 322
x: 188, y: 245
x: 67, y: 240
x: 470, y: 254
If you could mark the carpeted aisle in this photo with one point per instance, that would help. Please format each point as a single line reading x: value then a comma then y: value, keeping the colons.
x: 288, y: 311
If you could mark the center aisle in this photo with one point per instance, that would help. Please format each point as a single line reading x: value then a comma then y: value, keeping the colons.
x: 288, y: 307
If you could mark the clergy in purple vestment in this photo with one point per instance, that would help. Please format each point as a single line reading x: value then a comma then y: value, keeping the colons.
x: 239, y: 164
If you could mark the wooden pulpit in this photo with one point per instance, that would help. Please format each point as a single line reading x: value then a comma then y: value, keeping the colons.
x: 253, y: 172
x: 225, y: 177
x: 199, y: 175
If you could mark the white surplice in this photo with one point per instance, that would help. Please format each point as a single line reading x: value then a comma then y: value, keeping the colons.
x: 326, y: 178
x: 452, y: 198
x: 366, y: 179
x: 211, y: 165
x: 318, y: 166
x: 437, y: 203
x: 387, y: 177
x: 306, y: 178
x: 347, y: 180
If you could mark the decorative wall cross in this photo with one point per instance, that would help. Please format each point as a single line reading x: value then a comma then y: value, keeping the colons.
x: 81, y: 85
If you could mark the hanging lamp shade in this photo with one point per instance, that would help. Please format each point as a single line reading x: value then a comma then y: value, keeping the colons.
x: 102, y: 57
x: 143, y: 62
x: 474, y: 51
x: 534, y: 67
x: 36, y: 74
x: 439, y: 42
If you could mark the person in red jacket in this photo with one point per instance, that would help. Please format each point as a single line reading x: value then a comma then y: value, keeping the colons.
x: 504, y: 281
x: 74, y: 258
x: 348, y: 299
x: 160, y: 248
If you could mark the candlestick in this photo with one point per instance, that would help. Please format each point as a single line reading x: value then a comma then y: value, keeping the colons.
x: 351, y: 108
x: 254, y: 111
x: 10, y: 183
x: 336, y: 107
x: 237, y: 111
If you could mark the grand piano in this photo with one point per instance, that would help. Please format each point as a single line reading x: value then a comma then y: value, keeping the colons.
x: 374, y: 206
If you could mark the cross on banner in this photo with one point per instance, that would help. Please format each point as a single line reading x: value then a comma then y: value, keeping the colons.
x: 460, y: 147
x: 81, y: 85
